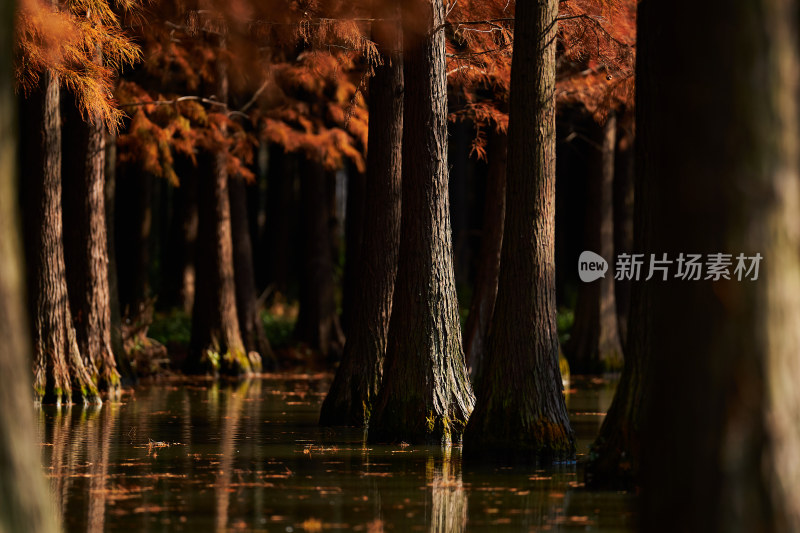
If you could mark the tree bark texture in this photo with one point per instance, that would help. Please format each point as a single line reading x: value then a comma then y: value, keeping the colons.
x: 520, y: 413
x: 86, y: 241
x: 60, y: 373
x: 358, y: 378
x: 426, y: 395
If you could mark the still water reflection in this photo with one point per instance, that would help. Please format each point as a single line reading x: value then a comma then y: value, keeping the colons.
x: 250, y: 457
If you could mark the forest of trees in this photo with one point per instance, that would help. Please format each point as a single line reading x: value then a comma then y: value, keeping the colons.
x: 397, y: 193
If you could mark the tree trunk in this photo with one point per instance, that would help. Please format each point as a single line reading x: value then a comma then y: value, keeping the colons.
x: 216, y: 343
x: 485, y: 292
x: 358, y: 377
x: 595, y: 344
x: 520, y: 412
x: 86, y: 241
x: 253, y: 335
x: 318, y: 319
x: 722, y: 431
x: 23, y: 491
x: 426, y: 395
x: 60, y: 372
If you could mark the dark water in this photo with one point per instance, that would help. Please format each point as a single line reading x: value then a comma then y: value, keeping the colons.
x: 249, y: 457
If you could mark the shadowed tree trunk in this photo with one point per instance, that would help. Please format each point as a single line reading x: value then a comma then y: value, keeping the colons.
x: 216, y: 343
x: 253, y: 335
x: 485, y: 293
x: 86, y: 241
x: 23, y: 491
x: 720, y: 453
x: 594, y: 345
x: 358, y: 377
x: 426, y: 395
x: 60, y: 372
x: 520, y: 412
x: 318, y: 319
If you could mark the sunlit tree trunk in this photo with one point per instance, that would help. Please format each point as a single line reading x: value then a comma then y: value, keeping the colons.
x: 23, y: 492
x: 520, y: 412
x: 483, y: 297
x: 60, y: 373
x: 721, y: 441
x: 426, y: 395
x: 358, y: 377
x: 253, y: 335
x: 86, y: 241
x: 216, y: 343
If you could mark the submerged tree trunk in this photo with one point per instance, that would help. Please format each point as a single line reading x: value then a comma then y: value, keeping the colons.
x: 483, y: 297
x: 216, y: 344
x: 520, y: 412
x: 318, y: 319
x: 252, y: 329
x: 426, y: 395
x: 595, y: 343
x: 86, y: 241
x: 60, y: 372
x: 23, y: 492
x: 358, y: 377
x: 720, y: 450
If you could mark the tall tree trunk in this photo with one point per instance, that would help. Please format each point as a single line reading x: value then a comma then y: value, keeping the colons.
x: 358, y: 377
x: 216, y: 344
x: 426, y: 395
x: 252, y: 329
x: 23, y: 492
x: 485, y: 292
x: 60, y: 373
x: 595, y: 344
x: 520, y: 412
x: 720, y: 453
x: 318, y: 319
x: 86, y: 241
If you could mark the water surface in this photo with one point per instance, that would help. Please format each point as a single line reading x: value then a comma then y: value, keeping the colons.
x: 249, y: 457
